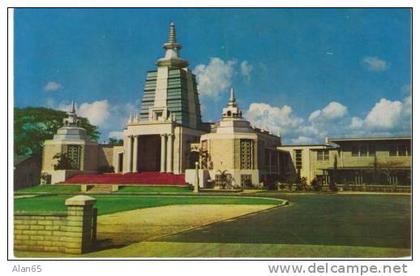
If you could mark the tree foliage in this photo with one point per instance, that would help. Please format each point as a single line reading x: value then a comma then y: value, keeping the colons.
x: 115, y: 142
x: 34, y: 125
x: 63, y: 162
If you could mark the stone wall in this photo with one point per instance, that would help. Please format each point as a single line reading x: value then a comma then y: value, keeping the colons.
x: 71, y: 232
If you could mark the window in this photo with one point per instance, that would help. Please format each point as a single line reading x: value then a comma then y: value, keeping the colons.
x: 372, y: 150
x: 393, y: 150
x: 73, y: 153
x: 363, y: 150
x: 246, y: 152
x: 298, y: 159
x: 400, y: 150
x: 354, y: 151
x: 323, y: 155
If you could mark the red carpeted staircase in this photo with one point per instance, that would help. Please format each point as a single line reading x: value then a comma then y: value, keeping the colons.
x: 143, y: 178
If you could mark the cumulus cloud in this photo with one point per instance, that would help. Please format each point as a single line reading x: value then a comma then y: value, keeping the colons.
x: 214, y: 77
x: 384, y: 115
x: 52, y: 86
x: 246, y: 69
x: 332, y: 111
x: 375, y: 64
x: 97, y: 112
x: 272, y: 118
x: 356, y: 123
x: 385, y: 118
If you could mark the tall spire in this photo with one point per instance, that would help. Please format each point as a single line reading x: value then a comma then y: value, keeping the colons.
x: 232, y: 110
x: 232, y: 99
x: 73, y: 108
x: 172, y: 34
x: 72, y: 119
x: 172, y: 48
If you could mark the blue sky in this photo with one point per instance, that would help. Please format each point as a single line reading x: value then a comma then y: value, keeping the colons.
x: 303, y: 73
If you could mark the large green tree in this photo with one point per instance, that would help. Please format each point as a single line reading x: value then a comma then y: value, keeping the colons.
x: 34, y: 125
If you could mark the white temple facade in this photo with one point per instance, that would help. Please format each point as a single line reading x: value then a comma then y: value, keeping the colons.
x: 159, y: 137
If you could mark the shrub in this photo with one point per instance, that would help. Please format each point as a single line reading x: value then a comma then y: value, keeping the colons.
x: 316, y: 185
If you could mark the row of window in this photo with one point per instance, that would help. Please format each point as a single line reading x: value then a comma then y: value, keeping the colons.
x: 363, y: 150
x: 370, y: 150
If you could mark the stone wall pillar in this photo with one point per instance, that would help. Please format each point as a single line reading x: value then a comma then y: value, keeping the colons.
x: 163, y: 153
x: 130, y: 154
x: 135, y: 153
x: 81, y: 224
x: 169, y: 164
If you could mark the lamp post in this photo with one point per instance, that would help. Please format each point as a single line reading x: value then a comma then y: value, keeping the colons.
x: 197, y: 178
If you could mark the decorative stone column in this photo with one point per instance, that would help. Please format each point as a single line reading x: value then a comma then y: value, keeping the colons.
x: 81, y: 224
x: 163, y: 153
x: 135, y: 153
x: 169, y: 163
x: 130, y: 154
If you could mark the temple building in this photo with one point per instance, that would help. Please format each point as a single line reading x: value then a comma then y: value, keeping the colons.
x: 166, y: 142
x: 69, y: 145
x: 159, y: 137
x: 247, y: 155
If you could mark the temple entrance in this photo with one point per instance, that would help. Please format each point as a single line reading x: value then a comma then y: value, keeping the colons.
x: 148, y: 153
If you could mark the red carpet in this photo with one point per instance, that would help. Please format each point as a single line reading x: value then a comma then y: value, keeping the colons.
x: 143, y: 178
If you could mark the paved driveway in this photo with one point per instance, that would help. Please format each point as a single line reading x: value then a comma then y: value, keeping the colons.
x: 317, y: 219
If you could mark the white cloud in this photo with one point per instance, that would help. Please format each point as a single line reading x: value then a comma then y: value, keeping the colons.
x: 384, y: 115
x: 97, y: 112
x: 332, y: 111
x: 52, y: 86
x: 274, y: 119
x: 115, y: 134
x: 356, y: 123
x: 385, y: 118
x: 375, y: 64
x: 214, y: 77
x: 246, y: 70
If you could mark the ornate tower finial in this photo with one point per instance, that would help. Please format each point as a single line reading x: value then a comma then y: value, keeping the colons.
x: 172, y: 33
x: 73, y: 108
x: 232, y: 110
x: 172, y: 48
x: 232, y: 99
x: 72, y: 119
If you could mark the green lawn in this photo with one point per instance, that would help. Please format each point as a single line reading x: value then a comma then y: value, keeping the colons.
x: 56, y: 189
x: 107, y: 204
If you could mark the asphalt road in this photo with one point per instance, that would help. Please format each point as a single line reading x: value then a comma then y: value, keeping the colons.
x: 317, y: 219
